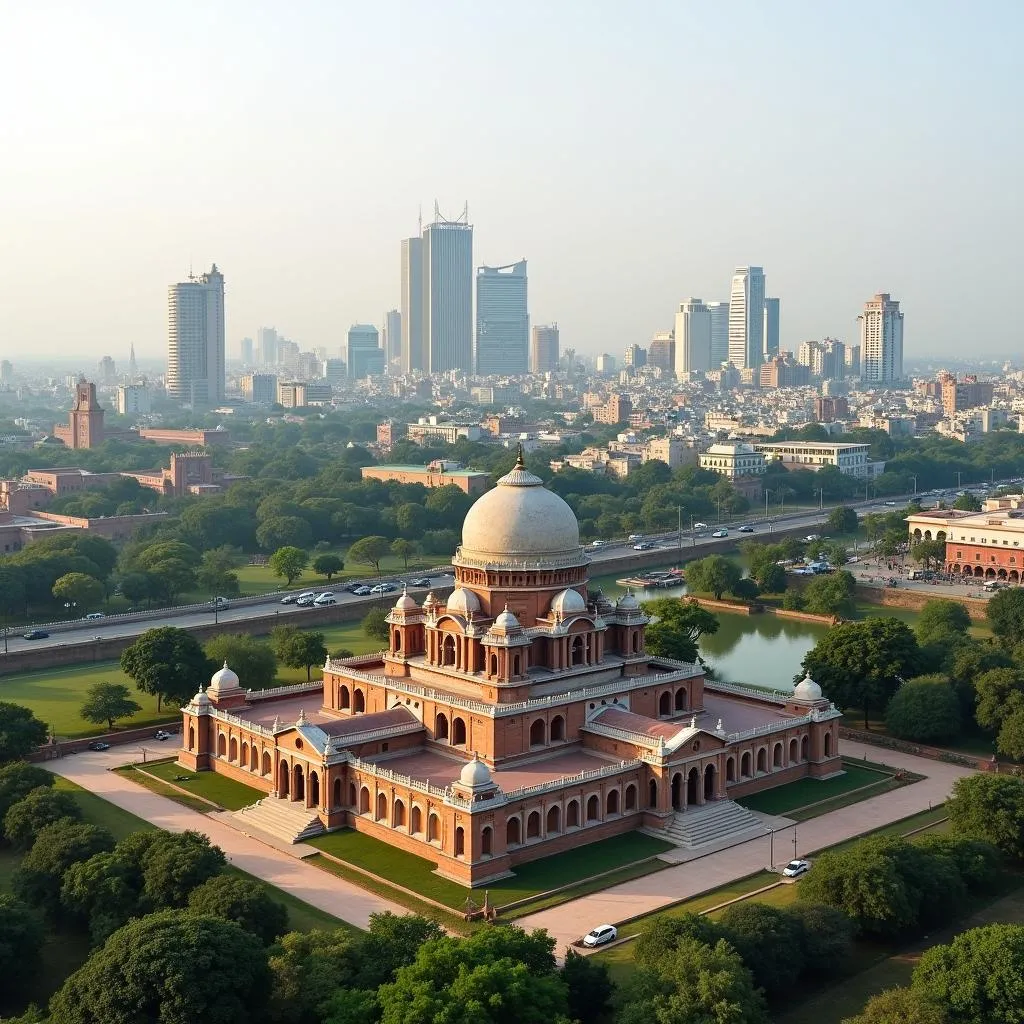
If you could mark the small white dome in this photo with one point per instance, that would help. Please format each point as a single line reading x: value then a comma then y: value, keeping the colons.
x: 568, y: 602
x: 506, y: 620
x: 627, y: 603
x: 406, y: 603
x: 807, y: 689
x: 223, y: 679
x: 200, y: 700
x: 475, y: 773
x: 462, y: 602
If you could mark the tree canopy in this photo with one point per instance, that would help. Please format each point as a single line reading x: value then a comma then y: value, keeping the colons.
x: 941, y: 620
x: 245, y: 901
x: 678, y: 628
x: 20, y: 732
x: 1005, y: 612
x: 29, y: 816
x: 990, y: 807
x: 168, y: 663
x: 298, y: 648
x: 288, y: 562
x: 105, y: 703
x: 712, y: 575
x: 373, y: 550
x: 328, y: 565
x: 924, y: 709
x: 252, y: 660
x: 81, y: 592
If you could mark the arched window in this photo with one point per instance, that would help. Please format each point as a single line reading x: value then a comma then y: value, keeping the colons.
x: 344, y: 700
x: 433, y: 828
x: 336, y: 794
x: 762, y: 760
x: 517, y: 665
x: 254, y: 759
x: 537, y: 733
x: 681, y: 699
x: 577, y: 650
x: 448, y: 650
x: 441, y: 727
x: 557, y: 729
x: 692, y: 786
x: 298, y: 783
x: 382, y: 807
x: 593, y: 808
x: 794, y: 751
x: 283, y: 778
x: 805, y: 747
x: 398, y: 815
x: 513, y: 834
x: 494, y: 664
x: 191, y: 738
x: 486, y: 841
x: 364, y: 800
x: 458, y: 732
x: 222, y: 745
x: 398, y: 641
x: 267, y: 764
x: 709, y: 782
x: 233, y: 749
x: 416, y: 820
x: 358, y: 702
x: 745, y: 765
x: 554, y: 819
x: 777, y: 756
x: 636, y: 642
x: 652, y: 793
x: 665, y: 704
x: 572, y: 814
x: 828, y: 744
x: 460, y: 841
x: 730, y: 769
x: 631, y: 797
x: 533, y: 825
x: 314, y: 789
x: 612, y: 802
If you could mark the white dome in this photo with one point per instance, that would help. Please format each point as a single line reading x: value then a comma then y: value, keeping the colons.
x: 200, y: 700
x: 475, y: 773
x: 627, y: 603
x: 568, y: 602
x: 520, y: 519
x: 807, y: 689
x: 506, y: 620
x: 406, y: 603
x: 223, y: 679
x: 462, y: 602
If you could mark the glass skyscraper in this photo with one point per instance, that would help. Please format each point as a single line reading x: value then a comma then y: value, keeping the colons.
x: 502, y: 321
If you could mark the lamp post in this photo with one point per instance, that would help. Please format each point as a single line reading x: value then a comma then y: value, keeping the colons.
x: 821, y: 498
x: 794, y: 842
x: 68, y: 606
x: 216, y: 610
x: 771, y: 849
x: 914, y: 478
x: 679, y: 529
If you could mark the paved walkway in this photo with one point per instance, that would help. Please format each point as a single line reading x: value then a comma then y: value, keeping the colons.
x: 642, y: 895
x: 319, y: 888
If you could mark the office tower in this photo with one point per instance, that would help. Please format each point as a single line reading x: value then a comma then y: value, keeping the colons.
x: 334, y: 371
x: 411, y: 303
x: 448, y: 293
x: 365, y: 357
x: 635, y: 356
x: 308, y: 366
x: 108, y: 370
x: 771, y: 328
x: 693, y: 337
x: 661, y: 353
x: 746, y: 318
x: 782, y: 371
x: 881, y: 340
x: 195, y: 339
x: 267, y: 346
x: 502, y: 321
x: 245, y: 350
x: 853, y: 360
x: 133, y: 400
x: 719, y: 333
x: 392, y: 341
x: 260, y: 388
x: 544, y: 349
x: 825, y: 359
x: 605, y: 363
x: 6, y: 372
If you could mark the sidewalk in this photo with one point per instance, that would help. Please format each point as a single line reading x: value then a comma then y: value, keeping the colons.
x: 651, y: 892
x: 285, y: 871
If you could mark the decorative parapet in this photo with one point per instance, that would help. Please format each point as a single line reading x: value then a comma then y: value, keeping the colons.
x: 578, y: 558
x: 815, y: 715
x: 244, y: 723
x: 614, y: 733
x: 569, y: 780
x: 284, y: 691
x: 370, y: 735
x: 419, y: 785
x: 770, y: 696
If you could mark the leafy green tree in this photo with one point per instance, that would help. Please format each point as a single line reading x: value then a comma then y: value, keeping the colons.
x: 977, y: 861
x: 17, y: 780
x: 170, y: 565
x: 826, y: 937
x: 678, y: 628
x: 940, y: 620
x: 84, y: 593
x: 20, y: 732
x: 403, y: 549
x: 999, y: 693
x: 770, y: 942
x: 924, y: 709
x: 177, y: 863
x: 103, y: 891
x: 411, y: 519
x: 664, y: 933
x: 372, y: 550
x: 21, y: 941
x: 842, y: 519
x: 284, y: 531
x: 589, y: 987
x: 990, y: 808
x: 30, y: 815
x: 967, y: 502
x: 447, y: 506
x: 712, y: 575
x: 216, y: 573
x: 107, y: 702
x: 929, y: 552
x: 307, y: 970
x: 1010, y: 741
x: 862, y: 664
x: 745, y: 589
x: 252, y: 660
x: 902, y: 1006
x: 978, y: 976
x: 167, y: 663
x: 391, y: 942
x: 298, y: 648
x: 328, y: 565
x: 289, y: 562
x: 831, y: 594
x: 375, y: 625
x: 136, y: 587
x: 243, y: 900
x: 147, y: 971
x: 1005, y: 613
x: 773, y: 580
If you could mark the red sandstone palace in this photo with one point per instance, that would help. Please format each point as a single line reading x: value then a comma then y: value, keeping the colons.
x: 518, y: 717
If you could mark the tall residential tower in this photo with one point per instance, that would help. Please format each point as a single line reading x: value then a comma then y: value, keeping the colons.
x: 413, y: 356
x: 502, y: 322
x: 771, y: 328
x: 746, y: 318
x: 881, y: 340
x: 448, y: 293
x: 195, y: 339
x: 544, y: 354
x: 693, y: 337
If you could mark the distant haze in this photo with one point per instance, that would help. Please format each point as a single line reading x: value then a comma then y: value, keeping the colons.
x: 633, y: 153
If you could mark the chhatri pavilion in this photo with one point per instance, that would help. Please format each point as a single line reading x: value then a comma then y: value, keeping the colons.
x: 518, y: 716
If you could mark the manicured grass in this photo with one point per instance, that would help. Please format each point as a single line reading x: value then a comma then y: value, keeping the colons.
x: 417, y: 873
x: 794, y: 795
x: 228, y: 793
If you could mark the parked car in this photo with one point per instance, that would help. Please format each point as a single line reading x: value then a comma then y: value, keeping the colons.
x: 220, y: 603
x: 720, y: 533
x: 95, y: 615
x: 305, y: 599
x: 361, y: 591
x: 600, y: 935
x: 796, y: 868
x: 420, y: 581
x: 325, y: 599
x: 892, y: 503
x: 162, y: 734
x: 99, y: 745
x: 746, y: 529
x: 700, y: 526
x: 383, y: 588
x: 35, y: 634
x: 289, y: 599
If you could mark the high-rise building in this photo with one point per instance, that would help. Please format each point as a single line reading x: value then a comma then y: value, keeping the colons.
x: 260, y: 388
x: 970, y: 393
x: 133, y: 400
x: 853, y: 360
x: 365, y: 357
x: 693, y: 337
x: 719, y: 333
x: 881, y: 340
x: 448, y: 293
x: 661, y: 352
x: 635, y: 356
x: 133, y: 366
x: 746, y: 318
x: 411, y: 303
x: 771, y: 328
x: 824, y: 359
x: 605, y: 363
x: 334, y: 371
x: 782, y: 371
x: 502, y: 321
x: 544, y: 353
x: 7, y: 372
x: 392, y: 340
x: 108, y: 370
x: 195, y: 339
x: 266, y: 346
x: 245, y: 349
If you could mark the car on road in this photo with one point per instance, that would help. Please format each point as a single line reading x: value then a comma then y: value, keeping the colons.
x: 892, y: 504
x: 162, y: 734
x: 700, y: 526
x: 597, y: 543
x: 600, y: 935
x: 383, y: 588
x: 812, y: 537
x: 420, y: 581
x: 35, y: 634
x: 720, y: 533
x: 644, y: 545
x: 220, y: 603
x: 289, y: 599
x: 305, y: 599
x: 746, y: 529
x: 796, y: 868
x: 635, y: 536
x: 94, y: 615
x: 361, y: 591
x: 99, y: 745
x: 351, y: 588
x: 324, y: 599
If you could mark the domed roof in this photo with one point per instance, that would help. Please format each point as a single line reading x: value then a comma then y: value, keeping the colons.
x: 520, y: 519
x: 462, y: 602
x: 627, y: 603
x: 506, y: 620
x: 406, y: 603
x: 475, y: 773
x: 200, y: 700
x: 807, y: 689
x: 223, y: 679
x: 568, y: 602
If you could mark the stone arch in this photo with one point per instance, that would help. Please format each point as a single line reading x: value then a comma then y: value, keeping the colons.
x: 612, y: 802
x: 267, y: 763
x: 486, y: 841
x: 344, y: 699
x: 631, y: 797
x: 665, y: 704
x: 777, y: 755
x: 448, y: 649
x: 1001, y: 574
x: 828, y: 744
x: 762, y: 760
x: 513, y: 832
x: 517, y: 664
x: 533, y: 825
x: 709, y: 782
x: 458, y: 732
x: 336, y: 795
x: 358, y: 702
x: 805, y: 747
x: 636, y: 642
x: 693, y: 786
x: 298, y: 783
x: 554, y: 819
x: 460, y: 841
x: 254, y: 759
x: 572, y: 814
x: 927, y: 534
x: 415, y: 820
x: 382, y: 807
x: 745, y: 765
x: 191, y: 738
x: 730, y: 769
x: 494, y: 664
x: 940, y: 535
x: 398, y: 641
x: 593, y: 808
x: 917, y: 533
x: 398, y: 814
x: 364, y: 800
x: 681, y: 699
x: 244, y: 761
x: 314, y: 789
x: 677, y: 791
x: 284, y: 776
x: 578, y: 651
x: 794, y: 751
x: 558, y: 729
x: 222, y: 745
x: 233, y: 749
x: 538, y: 733
x: 441, y: 727
x: 433, y: 828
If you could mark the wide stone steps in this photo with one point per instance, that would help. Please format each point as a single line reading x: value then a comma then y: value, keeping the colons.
x: 283, y: 819
x: 714, y: 822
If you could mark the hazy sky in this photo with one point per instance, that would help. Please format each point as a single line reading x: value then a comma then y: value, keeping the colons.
x: 634, y: 153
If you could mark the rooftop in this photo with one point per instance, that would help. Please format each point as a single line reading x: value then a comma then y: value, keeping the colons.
x: 400, y: 468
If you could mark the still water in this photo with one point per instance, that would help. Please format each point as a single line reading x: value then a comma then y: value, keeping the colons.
x: 753, y: 649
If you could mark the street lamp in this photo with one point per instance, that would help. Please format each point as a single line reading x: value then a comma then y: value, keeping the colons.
x: 794, y: 842
x: 679, y: 529
x: 914, y: 478
x: 821, y: 497
x: 68, y: 605
x: 771, y: 849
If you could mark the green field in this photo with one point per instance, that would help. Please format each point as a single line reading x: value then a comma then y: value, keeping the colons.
x: 794, y: 795
x: 225, y: 792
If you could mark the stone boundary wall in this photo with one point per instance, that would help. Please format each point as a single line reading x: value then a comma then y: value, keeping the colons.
x: 981, y: 764
x: 757, y: 608
x: 52, y: 751
x: 898, y: 597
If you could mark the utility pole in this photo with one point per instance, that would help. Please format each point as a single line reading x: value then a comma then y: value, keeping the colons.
x: 679, y: 529
x: 914, y: 478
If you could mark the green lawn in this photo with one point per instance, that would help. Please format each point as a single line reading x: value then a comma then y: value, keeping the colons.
x: 225, y: 792
x: 794, y: 795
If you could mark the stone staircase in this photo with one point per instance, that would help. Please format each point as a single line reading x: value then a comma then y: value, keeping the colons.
x: 287, y: 820
x: 715, y: 822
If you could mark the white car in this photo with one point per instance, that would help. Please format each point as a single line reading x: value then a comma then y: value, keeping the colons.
x: 635, y: 536
x: 597, y: 543
x: 812, y: 537
x: 324, y: 599
x: 305, y: 599
x: 700, y: 526
x: 720, y: 533
x: 796, y: 868
x: 162, y: 734
x: 600, y: 935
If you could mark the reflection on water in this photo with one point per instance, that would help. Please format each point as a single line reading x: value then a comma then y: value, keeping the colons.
x: 757, y: 649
